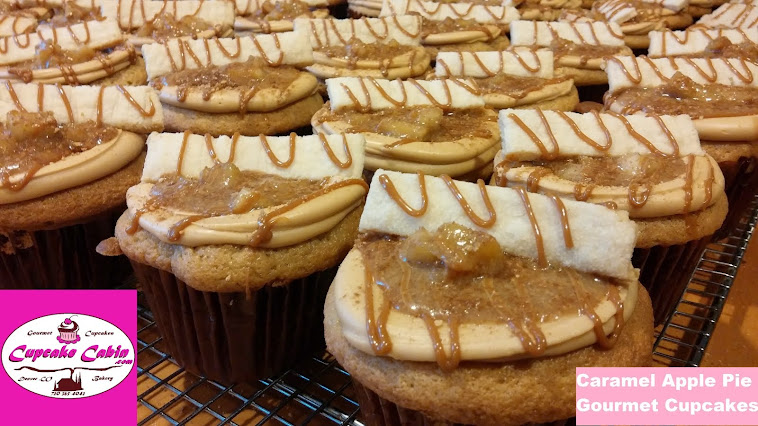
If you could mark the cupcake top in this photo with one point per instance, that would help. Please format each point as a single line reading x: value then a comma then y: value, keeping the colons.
x: 59, y: 137
x: 68, y: 325
x: 457, y: 134
x: 546, y: 276
x: 514, y: 77
x: 222, y: 75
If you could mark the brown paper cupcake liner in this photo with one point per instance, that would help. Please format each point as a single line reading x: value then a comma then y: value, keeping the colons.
x: 666, y: 271
x: 63, y: 258
x: 377, y: 411
x: 740, y: 182
x: 237, y: 337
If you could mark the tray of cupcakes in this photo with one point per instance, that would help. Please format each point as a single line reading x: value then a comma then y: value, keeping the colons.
x: 431, y: 191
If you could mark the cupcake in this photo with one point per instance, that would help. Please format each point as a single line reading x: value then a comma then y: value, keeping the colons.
x: 67, y: 156
x: 68, y: 332
x: 519, y: 77
x: 84, y: 53
x: 578, y: 48
x: 636, y: 18
x: 146, y: 21
x: 551, y: 281
x: 233, y: 238
x: 274, y: 16
x: 367, y: 47
x: 726, y: 119
x: 251, y: 85
x: 457, y: 26
x: 436, y: 126
x: 651, y: 167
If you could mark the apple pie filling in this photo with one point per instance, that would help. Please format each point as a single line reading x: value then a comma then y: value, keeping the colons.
x: 166, y: 26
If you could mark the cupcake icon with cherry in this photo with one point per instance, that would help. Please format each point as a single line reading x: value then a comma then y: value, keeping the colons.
x: 69, y: 331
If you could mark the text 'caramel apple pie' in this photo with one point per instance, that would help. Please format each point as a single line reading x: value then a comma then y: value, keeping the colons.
x: 250, y: 84
x: 519, y: 77
x: 578, y: 47
x: 386, y: 47
x: 436, y: 126
x: 452, y: 283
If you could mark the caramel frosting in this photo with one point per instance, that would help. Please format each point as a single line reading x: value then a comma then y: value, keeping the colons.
x: 630, y: 71
x: 530, y: 135
x: 517, y: 61
x: 135, y: 108
x: 405, y: 30
x: 290, y: 48
x: 12, y: 24
x: 731, y: 15
x: 692, y: 40
x: 433, y: 11
x: 337, y: 161
x: 374, y: 94
x: 133, y: 14
x: 95, y: 35
x: 527, y: 225
x: 531, y: 33
x: 75, y: 170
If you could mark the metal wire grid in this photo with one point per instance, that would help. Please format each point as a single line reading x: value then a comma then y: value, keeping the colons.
x: 318, y: 391
x: 685, y: 334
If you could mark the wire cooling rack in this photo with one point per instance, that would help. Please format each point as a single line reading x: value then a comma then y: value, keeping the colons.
x: 318, y: 391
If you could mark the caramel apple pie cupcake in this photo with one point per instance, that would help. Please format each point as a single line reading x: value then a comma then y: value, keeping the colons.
x: 233, y: 239
x: 457, y: 26
x: 519, y: 77
x: 148, y: 21
x: 386, y: 47
x: 434, y: 126
x: 274, y: 16
x: 649, y: 166
x: 732, y: 15
x: 67, y: 156
x: 636, y: 18
x: 552, y: 285
x: 83, y: 53
x: 249, y: 85
x: 720, y: 94
x: 578, y: 47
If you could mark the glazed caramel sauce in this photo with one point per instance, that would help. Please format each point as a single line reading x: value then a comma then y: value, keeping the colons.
x: 722, y: 47
x: 515, y: 87
x: 165, y: 26
x: 355, y: 49
x: 458, y: 275
x: 30, y: 141
x: 282, y: 10
x: 418, y: 123
x: 562, y: 47
x: 681, y: 95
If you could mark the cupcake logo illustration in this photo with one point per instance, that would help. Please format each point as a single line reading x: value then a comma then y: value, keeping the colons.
x: 68, y: 356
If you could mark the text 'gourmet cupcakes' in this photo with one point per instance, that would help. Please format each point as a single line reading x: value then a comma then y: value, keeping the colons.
x: 67, y: 157
x: 636, y: 18
x: 148, y: 21
x: 454, y: 26
x: 368, y: 47
x: 274, y: 16
x: 470, y: 304
x: 578, y: 47
x: 651, y: 167
x: 251, y: 85
x: 84, y: 53
x: 232, y: 239
x: 519, y: 77
x: 436, y: 126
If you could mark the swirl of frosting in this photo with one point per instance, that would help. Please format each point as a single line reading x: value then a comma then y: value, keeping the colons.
x: 68, y: 325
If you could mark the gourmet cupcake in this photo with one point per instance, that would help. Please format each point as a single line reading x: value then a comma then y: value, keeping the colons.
x: 232, y: 239
x: 636, y: 18
x: 578, y: 48
x: 369, y: 47
x: 552, y: 285
x: 146, y: 21
x: 649, y: 166
x: 519, y: 77
x: 718, y: 93
x: 435, y: 126
x: 67, y: 156
x: 274, y: 16
x: 457, y: 26
x: 85, y: 53
x: 251, y: 85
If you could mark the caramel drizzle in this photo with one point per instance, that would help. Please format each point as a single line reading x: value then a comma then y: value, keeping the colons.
x: 567, y: 239
x: 388, y: 186
x: 492, y: 215
x: 435, y: 8
x: 345, y: 36
x: 532, y: 339
x: 163, y: 10
x: 376, y: 328
x: 711, y: 75
x: 184, y: 48
x: 501, y: 63
x: 274, y: 159
x: 688, y: 183
x: 740, y: 18
x: 594, y: 41
x: 445, y: 105
x: 27, y: 40
x: 541, y: 259
x: 346, y: 149
x: 605, y: 342
x: 684, y: 39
